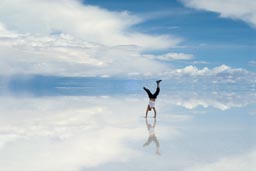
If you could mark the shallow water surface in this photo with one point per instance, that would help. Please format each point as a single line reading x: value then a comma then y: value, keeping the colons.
x: 193, y: 131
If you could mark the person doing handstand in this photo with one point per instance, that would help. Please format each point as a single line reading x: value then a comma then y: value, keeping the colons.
x: 152, y: 98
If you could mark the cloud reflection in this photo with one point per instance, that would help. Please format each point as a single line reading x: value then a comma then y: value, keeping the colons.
x: 101, y: 132
x: 68, y: 133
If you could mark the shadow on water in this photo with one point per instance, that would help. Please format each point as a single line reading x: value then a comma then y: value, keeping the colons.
x: 152, y: 136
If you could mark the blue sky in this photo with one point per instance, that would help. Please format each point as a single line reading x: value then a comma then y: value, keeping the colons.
x: 128, y: 39
x: 207, y: 36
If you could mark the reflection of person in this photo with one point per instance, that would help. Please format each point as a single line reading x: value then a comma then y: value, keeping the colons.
x: 152, y: 98
x: 152, y: 136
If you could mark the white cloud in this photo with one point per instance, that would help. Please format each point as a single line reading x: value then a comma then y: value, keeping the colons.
x: 252, y: 63
x: 71, y: 133
x: 4, y: 32
x: 89, y: 23
x: 202, y: 98
x: 73, y: 39
x: 171, y: 56
x: 244, y: 10
x: 65, y: 55
x: 199, y: 62
x: 194, y: 71
x: 234, y: 163
x: 217, y: 75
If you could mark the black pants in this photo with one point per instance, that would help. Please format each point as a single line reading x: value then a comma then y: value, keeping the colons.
x: 150, y: 95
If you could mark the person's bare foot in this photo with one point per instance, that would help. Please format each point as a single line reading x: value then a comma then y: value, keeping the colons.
x: 158, y: 81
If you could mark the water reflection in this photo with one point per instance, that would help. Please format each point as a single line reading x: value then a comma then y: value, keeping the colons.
x: 152, y: 136
x: 72, y: 133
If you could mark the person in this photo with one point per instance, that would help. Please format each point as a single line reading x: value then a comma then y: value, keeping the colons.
x: 152, y: 136
x: 152, y: 98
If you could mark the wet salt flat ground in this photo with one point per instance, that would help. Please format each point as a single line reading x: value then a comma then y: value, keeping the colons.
x: 194, y: 131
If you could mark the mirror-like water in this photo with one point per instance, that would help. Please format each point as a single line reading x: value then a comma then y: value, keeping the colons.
x: 193, y: 131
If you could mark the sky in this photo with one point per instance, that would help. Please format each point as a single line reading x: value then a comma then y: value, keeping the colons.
x: 127, y: 39
x: 210, y: 33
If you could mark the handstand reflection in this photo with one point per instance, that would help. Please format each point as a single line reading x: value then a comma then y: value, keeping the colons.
x: 152, y: 136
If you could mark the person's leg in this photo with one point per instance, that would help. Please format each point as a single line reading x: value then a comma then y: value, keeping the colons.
x: 156, y: 92
x: 148, y: 92
x: 157, y: 89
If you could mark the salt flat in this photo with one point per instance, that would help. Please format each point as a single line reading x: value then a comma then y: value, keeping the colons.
x: 193, y: 132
